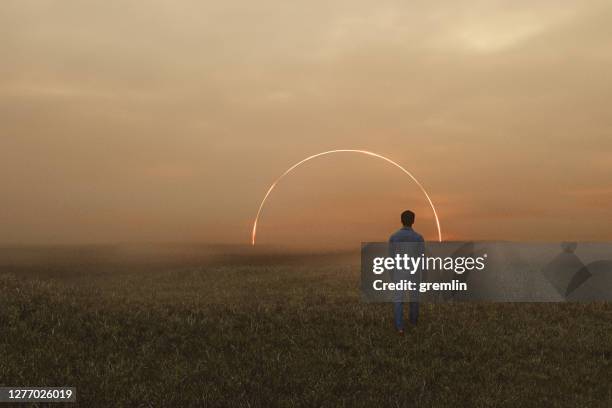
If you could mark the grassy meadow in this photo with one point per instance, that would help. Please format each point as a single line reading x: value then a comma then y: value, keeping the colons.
x: 193, y: 327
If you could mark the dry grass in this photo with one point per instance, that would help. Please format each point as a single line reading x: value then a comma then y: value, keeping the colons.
x: 289, y: 335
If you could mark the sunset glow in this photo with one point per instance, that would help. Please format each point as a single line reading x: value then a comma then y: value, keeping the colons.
x: 290, y: 169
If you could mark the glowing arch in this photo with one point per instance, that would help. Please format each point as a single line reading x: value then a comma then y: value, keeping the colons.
x: 263, y: 202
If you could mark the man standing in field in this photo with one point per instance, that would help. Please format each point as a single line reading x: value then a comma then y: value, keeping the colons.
x: 404, y: 235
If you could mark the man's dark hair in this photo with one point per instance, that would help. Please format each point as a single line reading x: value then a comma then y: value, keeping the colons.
x: 407, y: 218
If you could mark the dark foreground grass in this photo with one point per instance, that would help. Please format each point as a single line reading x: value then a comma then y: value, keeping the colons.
x: 258, y: 336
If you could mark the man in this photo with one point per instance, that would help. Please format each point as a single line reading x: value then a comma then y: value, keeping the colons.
x: 406, y: 234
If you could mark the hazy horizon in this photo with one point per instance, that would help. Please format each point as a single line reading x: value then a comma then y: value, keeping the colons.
x: 167, y: 122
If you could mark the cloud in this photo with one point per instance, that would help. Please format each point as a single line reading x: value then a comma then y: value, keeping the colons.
x: 193, y: 108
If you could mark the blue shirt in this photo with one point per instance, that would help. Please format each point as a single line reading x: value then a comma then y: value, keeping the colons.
x: 406, y: 234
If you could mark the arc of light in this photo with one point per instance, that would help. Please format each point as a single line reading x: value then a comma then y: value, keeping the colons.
x: 368, y: 153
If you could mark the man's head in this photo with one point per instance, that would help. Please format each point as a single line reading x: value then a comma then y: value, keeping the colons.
x: 407, y: 218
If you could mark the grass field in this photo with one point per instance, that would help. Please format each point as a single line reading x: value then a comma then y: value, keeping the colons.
x: 243, y: 331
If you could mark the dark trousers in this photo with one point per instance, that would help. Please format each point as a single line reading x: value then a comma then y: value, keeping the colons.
x: 398, y: 314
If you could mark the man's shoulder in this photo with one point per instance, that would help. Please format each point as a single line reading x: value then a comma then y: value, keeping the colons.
x: 394, y: 235
x: 397, y: 235
x: 407, y: 235
x: 417, y: 237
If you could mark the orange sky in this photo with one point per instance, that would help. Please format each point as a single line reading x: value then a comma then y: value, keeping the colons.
x: 167, y: 121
